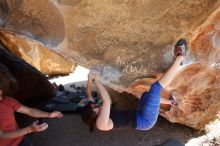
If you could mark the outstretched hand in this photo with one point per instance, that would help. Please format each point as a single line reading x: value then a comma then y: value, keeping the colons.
x: 56, y: 114
x: 35, y: 127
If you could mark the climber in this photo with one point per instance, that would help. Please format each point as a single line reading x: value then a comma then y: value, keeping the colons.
x: 10, y: 134
x: 146, y: 113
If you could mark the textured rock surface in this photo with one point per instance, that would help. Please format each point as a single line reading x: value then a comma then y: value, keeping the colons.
x: 197, y: 87
x: 34, y: 53
x: 39, y: 20
x: 130, y: 41
x: 21, y: 80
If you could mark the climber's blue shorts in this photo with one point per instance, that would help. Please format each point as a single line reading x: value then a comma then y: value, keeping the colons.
x: 148, y: 107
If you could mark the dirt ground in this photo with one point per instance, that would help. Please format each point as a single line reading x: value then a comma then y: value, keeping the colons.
x: 70, y: 131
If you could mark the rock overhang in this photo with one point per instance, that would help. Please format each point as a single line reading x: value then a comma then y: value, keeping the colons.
x: 131, y: 41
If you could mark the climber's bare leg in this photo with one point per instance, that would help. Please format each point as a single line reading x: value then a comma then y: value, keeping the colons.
x: 166, y: 78
x: 172, y: 72
x: 180, y: 52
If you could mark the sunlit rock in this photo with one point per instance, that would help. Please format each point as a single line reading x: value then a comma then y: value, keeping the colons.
x: 34, y: 53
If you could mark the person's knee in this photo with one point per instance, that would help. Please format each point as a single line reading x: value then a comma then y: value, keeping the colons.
x: 155, y: 88
x: 144, y: 94
x: 152, y: 123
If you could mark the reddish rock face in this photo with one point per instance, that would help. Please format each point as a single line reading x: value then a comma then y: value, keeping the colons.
x: 197, y: 86
x: 131, y: 41
x: 196, y: 89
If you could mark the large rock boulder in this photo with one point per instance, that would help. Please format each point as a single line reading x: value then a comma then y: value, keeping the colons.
x: 131, y: 41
